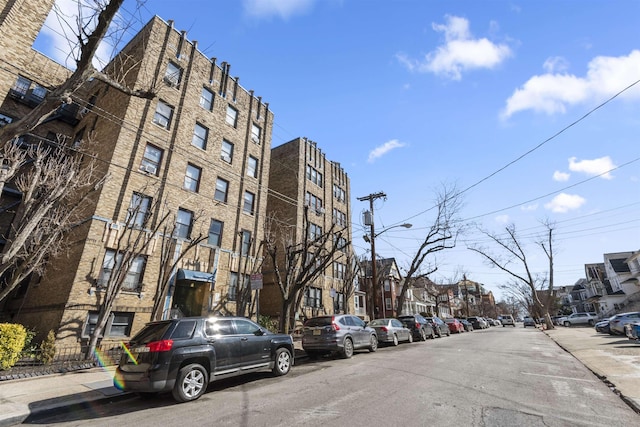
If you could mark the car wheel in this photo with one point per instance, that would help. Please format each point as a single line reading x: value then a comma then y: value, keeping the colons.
x: 567, y: 324
x: 282, y: 363
x: 439, y: 333
x: 373, y: 343
x: 591, y: 322
x: 191, y: 383
x: 410, y: 340
x: 395, y: 339
x: 347, y: 349
x: 423, y: 336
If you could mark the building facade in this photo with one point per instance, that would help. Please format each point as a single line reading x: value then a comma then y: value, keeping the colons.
x: 196, y: 155
x: 303, y: 183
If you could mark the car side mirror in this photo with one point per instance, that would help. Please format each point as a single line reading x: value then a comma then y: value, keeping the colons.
x: 259, y: 332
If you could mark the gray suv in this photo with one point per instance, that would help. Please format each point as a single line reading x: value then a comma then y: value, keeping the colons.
x: 342, y: 333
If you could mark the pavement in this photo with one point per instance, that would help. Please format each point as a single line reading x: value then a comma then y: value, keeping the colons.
x: 615, y: 360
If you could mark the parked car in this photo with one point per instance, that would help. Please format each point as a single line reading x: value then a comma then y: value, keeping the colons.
x: 439, y: 327
x: 455, y: 326
x: 582, y: 318
x: 616, y: 325
x: 603, y: 326
x: 184, y: 355
x: 418, y: 325
x: 391, y: 331
x: 342, y: 333
x: 478, y: 322
x: 467, y: 325
x: 489, y: 321
x: 507, y: 320
x: 528, y: 321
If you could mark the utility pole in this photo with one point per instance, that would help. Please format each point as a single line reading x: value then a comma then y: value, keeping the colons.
x: 371, y: 198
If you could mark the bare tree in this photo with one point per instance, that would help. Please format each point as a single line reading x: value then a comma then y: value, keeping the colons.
x: 511, y: 250
x: 442, y: 234
x: 296, y: 264
x: 52, y: 181
x: 51, y: 188
x: 350, y: 280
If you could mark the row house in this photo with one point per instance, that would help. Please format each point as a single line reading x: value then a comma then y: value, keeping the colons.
x: 199, y: 152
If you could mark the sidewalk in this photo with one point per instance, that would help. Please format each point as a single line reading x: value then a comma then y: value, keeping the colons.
x: 615, y: 360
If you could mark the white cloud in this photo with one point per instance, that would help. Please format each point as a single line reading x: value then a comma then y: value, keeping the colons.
x: 553, y: 92
x: 529, y: 208
x: 561, y: 176
x: 461, y: 52
x: 555, y: 64
x: 283, y: 9
x: 384, y: 149
x: 593, y: 167
x: 564, y: 203
x: 502, y: 219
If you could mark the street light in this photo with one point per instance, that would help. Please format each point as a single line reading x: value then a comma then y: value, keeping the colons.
x: 372, y: 240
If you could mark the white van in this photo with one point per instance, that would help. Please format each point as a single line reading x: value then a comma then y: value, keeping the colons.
x: 507, y: 319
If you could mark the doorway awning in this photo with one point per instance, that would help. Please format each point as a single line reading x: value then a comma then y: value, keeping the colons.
x: 195, y: 276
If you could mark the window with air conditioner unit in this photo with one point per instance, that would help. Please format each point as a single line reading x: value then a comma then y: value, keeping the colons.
x: 151, y: 159
x: 226, y: 153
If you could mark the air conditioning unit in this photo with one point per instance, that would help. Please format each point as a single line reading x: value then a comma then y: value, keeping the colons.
x: 171, y: 82
x: 149, y: 169
x: 255, y: 138
x: 226, y: 158
x: 320, y: 211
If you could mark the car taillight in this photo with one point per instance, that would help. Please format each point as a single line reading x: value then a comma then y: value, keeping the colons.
x: 417, y: 325
x: 384, y: 328
x: 159, y: 346
x: 334, y: 325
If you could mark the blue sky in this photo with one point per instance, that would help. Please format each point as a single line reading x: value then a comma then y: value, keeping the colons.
x: 497, y: 97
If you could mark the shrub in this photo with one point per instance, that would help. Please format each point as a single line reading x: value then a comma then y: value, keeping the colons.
x: 12, y: 340
x: 48, y: 348
x: 268, y: 322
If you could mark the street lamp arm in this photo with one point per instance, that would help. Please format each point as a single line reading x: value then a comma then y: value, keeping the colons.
x: 405, y: 225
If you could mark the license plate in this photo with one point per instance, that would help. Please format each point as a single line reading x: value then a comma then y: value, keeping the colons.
x: 141, y: 349
x: 317, y: 332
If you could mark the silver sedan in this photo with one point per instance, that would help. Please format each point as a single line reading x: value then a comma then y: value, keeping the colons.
x: 391, y: 331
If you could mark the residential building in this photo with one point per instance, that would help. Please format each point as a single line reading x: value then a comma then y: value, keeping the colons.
x: 198, y: 152
x: 305, y: 186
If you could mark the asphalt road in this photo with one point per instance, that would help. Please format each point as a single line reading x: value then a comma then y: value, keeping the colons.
x: 495, y: 377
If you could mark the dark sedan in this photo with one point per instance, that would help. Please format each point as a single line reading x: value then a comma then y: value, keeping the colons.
x: 418, y: 325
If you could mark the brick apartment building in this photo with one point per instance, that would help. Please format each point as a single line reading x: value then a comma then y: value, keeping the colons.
x: 302, y: 177
x: 199, y: 150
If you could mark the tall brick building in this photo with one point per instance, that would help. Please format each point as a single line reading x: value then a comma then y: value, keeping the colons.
x: 200, y: 150
x: 302, y: 177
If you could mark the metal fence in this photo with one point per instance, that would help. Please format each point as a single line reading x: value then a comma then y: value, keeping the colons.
x: 65, y: 359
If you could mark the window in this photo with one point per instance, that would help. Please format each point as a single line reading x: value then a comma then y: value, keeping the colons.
x: 255, y: 133
x: 22, y: 86
x: 206, y: 99
x: 222, y: 186
x: 338, y: 270
x: 313, y: 297
x: 215, y: 233
x: 227, y: 151
x: 387, y: 303
x: 132, y: 281
x: 338, y: 303
x: 248, y: 205
x: 338, y: 193
x: 340, y: 242
x: 252, y: 167
x: 246, y: 242
x: 232, y: 116
x: 139, y: 210
x: 39, y: 92
x: 163, y: 114
x: 233, y: 286
x: 183, y: 223
x: 245, y: 327
x: 151, y: 159
x: 192, y: 178
x: 313, y: 201
x: 339, y: 217
x: 173, y: 74
x: 118, y: 325
x: 315, y: 231
x: 314, y: 176
x: 5, y: 120
x: 200, y: 135
x: 219, y: 327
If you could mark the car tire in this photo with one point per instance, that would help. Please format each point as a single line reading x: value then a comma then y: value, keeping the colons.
x: 395, y: 340
x: 347, y: 348
x: 282, y: 364
x: 591, y: 322
x: 191, y: 383
x: 567, y: 324
x: 410, y: 340
x: 373, y: 343
x: 423, y: 336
